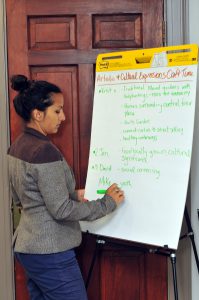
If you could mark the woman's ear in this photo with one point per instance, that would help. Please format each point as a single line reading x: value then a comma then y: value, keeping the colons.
x: 37, y: 115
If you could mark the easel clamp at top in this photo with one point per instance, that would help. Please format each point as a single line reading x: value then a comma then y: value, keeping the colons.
x: 148, y: 58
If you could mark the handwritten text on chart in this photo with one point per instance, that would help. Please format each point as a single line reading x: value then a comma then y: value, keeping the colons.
x: 170, y: 74
x: 146, y: 133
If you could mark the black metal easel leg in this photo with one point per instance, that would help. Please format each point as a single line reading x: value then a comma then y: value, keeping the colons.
x: 91, y: 266
x: 97, y: 247
x: 173, y: 263
x: 191, y: 236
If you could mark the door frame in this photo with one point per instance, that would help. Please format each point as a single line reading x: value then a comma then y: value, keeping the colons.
x: 176, y: 17
x: 6, y: 256
x: 177, y: 22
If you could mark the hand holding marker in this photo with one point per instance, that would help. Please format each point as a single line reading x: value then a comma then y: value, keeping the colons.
x: 115, y: 192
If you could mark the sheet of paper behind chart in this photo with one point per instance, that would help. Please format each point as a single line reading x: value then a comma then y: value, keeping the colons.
x: 142, y: 139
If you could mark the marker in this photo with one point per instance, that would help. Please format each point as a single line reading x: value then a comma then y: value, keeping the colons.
x: 101, y: 192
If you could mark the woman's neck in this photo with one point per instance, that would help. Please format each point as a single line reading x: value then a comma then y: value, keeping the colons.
x: 35, y: 125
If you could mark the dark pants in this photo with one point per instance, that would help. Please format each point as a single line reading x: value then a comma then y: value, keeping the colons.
x: 53, y: 276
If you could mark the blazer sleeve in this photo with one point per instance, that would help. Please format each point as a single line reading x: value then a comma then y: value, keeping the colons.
x: 54, y: 182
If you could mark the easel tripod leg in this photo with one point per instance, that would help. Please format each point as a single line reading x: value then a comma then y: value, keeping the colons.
x: 91, y: 266
x: 173, y: 263
x: 98, y: 246
x: 191, y: 236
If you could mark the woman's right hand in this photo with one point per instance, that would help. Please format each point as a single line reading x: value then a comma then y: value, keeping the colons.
x: 116, y: 193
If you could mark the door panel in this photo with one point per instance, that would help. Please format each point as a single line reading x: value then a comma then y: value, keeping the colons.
x: 66, y: 79
x: 115, y: 31
x: 59, y: 41
x: 51, y: 33
x: 115, y: 280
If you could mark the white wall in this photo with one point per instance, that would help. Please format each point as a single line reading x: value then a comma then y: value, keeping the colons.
x: 177, y: 33
x: 194, y: 38
x: 183, y: 21
x: 6, y: 260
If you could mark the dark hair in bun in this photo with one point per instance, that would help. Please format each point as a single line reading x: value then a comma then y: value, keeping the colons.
x: 19, y: 83
x: 32, y: 94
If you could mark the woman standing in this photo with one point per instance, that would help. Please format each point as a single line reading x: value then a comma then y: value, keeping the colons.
x: 43, y: 186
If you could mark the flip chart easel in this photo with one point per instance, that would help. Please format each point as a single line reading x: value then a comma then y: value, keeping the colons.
x: 142, y: 131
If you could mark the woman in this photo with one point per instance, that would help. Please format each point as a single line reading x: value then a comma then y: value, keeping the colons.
x: 43, y: 186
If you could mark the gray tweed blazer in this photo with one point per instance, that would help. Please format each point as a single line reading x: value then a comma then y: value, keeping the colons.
x: 43, y: 184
